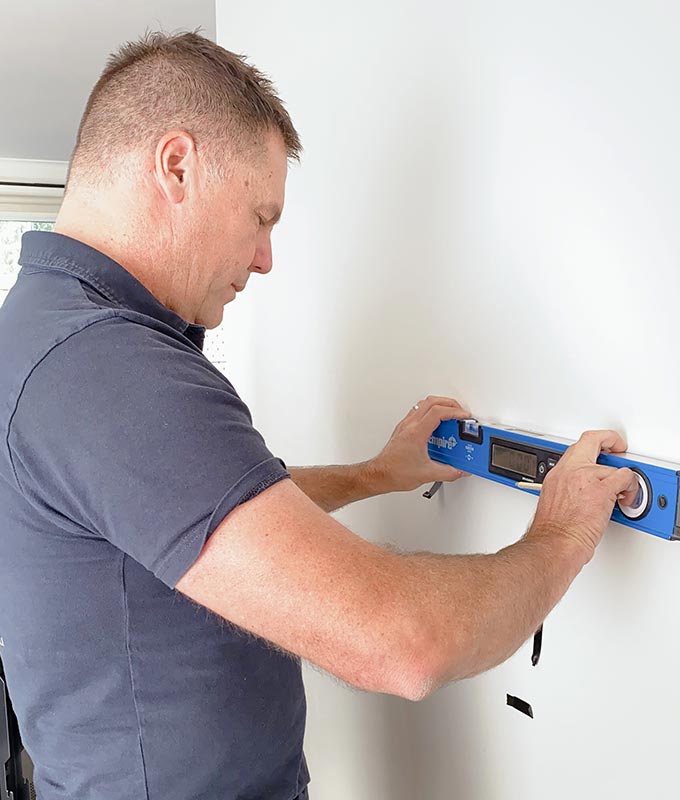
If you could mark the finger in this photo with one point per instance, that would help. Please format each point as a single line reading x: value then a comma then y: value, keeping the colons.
x: 627, y: 498
x: 435, y: 400
x: 623, y: 482
x: 429, y: 402
x: 602, y: 473
x: 599, y: 471
x: 592, y: 443
x: 438, y: 414
x: 448, y: 474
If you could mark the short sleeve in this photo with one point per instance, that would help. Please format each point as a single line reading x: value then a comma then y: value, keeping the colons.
x: 132, y: 435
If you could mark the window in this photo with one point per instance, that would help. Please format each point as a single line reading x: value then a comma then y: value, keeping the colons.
x: 11, y: 232
x: 30, y: 196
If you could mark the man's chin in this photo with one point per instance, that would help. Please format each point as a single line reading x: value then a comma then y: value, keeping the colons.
x: 213, y: 319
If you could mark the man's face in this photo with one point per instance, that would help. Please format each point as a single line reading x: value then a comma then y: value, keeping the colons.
x: 232, y: 232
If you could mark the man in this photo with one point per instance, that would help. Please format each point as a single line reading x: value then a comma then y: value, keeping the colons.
x: 136, y: 494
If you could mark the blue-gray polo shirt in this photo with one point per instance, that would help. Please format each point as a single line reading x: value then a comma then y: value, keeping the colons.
x: 122, y: 448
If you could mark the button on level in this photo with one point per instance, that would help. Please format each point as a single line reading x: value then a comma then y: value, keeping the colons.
x: 542, y: 468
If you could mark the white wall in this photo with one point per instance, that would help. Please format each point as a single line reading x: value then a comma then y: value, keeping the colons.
x: 52, y: 53
x: 486, y: 208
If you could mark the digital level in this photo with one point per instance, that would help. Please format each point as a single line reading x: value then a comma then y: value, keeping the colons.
x: 511, y: 456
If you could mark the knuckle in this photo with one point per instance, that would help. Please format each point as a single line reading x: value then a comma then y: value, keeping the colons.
x: 630, y: 475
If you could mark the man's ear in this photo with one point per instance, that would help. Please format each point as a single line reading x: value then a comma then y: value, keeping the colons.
x: 175, y: 164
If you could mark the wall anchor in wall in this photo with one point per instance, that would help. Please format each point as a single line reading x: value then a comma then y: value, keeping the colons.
x: 510, y: 456
x: 538, y: 643
x: 520, y: 705
x: 432, y: 491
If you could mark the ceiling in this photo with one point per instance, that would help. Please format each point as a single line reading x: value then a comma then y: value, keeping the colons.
x: 52, y: 54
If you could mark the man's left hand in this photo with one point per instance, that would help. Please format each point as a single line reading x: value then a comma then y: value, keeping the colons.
x: 404, y: 463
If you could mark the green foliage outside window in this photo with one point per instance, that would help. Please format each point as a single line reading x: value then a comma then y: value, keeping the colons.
x: 11, y: 232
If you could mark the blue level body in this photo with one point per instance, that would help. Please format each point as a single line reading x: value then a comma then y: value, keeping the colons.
x: 510, y: 455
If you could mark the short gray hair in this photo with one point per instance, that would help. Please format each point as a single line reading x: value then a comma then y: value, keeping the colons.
x: 182, y: 80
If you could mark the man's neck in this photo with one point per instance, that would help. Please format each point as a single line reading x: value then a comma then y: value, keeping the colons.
x: 87, y: 223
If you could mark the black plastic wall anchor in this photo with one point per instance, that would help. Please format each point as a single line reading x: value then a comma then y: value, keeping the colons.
x: 520, y: 705
x: 538, y: 643
x: 432, y: 491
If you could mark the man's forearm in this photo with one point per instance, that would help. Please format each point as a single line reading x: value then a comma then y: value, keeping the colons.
x: 475, y: 610
x: 515, y: 590
x: 469, y: 613
x: 402, y: 465
x: 333, y: 487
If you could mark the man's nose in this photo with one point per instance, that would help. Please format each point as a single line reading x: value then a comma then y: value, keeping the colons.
x: 262, y: 262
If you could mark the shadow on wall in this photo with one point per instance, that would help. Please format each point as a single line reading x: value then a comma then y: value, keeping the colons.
x: 395, y: 352
x: 433, y: 748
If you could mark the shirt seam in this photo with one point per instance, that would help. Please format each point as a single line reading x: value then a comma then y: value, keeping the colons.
x: 77, y: 270
x: 181, y: 548
x: 207, y: 529
x: 109, y: 315
x: 128, y: 653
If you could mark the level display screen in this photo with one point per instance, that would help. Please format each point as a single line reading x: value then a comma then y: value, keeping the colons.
x: 514, y: 460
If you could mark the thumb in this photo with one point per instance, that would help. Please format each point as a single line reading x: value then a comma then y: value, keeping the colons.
x: 449, y: 473
x: 623, y: 482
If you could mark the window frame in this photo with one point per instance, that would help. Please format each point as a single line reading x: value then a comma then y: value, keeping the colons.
x: 31, y: 189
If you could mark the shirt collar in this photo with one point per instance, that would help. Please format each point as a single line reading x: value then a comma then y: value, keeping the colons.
x: 50, y: 250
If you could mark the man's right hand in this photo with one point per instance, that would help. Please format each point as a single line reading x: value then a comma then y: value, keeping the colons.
x: 578, y: 495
